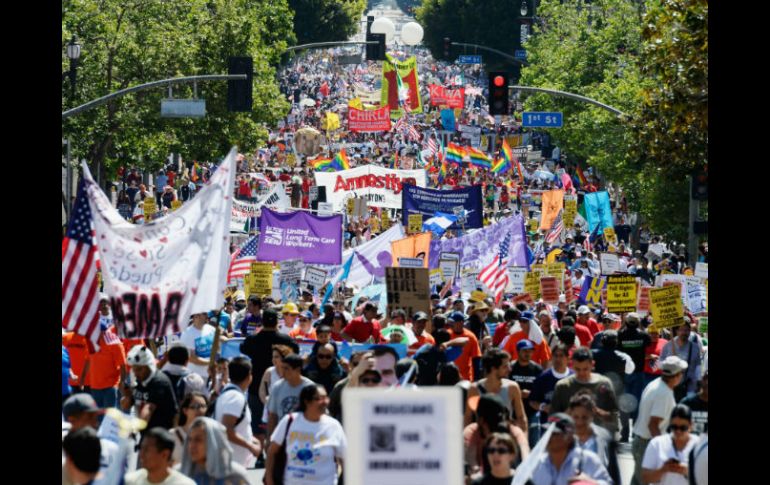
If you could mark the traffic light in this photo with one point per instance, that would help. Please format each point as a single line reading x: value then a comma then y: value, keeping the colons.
x: 700, y: 184
x: 498, y: 93
x: 447, y: 47
x: 239, y: 92
x: 375, y: 52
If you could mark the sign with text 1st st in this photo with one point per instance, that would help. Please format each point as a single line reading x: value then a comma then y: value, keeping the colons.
x: 542, y: 119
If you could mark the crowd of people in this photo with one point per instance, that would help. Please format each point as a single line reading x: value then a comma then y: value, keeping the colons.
x: 598, y: 381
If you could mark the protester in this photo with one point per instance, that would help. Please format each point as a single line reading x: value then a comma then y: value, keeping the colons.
x: 666, y: 457
x: 324, y: 368
x: 199, y: 339
x: 592, y: 437
x: 496, y: 364
x: 544, y: 384
x: 365, y: 327
x: 500, y: 453
x: 182, y: 379
x: 687, y: 347
x: 699, y: 405
x: 207, y: 457
x: 308, y: 433
x: 153, y: 396
x: 82, y: 452
x: 284, y: 394
x: 194, y: 405
x: 471, y: 350
x: 491, y: 416
x: 155, y: 454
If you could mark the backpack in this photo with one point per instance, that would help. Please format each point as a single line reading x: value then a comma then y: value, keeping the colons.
x: 179, y: 384
x: 212, y: 407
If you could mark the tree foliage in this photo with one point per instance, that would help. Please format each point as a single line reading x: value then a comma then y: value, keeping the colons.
x: 649, y: 62
x: 130, y: 42
x: 326, y: 20
x: 493, y: 23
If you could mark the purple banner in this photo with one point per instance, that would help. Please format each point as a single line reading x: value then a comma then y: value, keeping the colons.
x: 481, y: 246
x: 300, y: 235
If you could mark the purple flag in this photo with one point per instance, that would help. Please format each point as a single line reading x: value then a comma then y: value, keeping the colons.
x: 300, y: 235
x: 477, y: 248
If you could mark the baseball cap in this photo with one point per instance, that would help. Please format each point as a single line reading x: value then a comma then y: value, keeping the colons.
x: 633, y: 319
x: 526, y: 316
x: 306, y: 314
x: 672, y: 365
x: 564, y: 423
x: 524, y: 344
x: 240, y: 296
x: 290, y: 308
x: 79, y: 403
x: 420, y: 316
x: 457, y: 317
x: 583, y: 310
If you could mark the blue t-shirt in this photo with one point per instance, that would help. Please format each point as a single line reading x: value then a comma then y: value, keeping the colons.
x: 65, y: 372
x: 160, y: 182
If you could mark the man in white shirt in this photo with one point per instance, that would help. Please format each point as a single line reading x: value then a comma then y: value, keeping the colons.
x: 231, y: 409
x: 655, y: 409
x: 199, y: 338
x: 155, y: 454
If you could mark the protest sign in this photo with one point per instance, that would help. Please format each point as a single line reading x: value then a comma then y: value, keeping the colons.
x: 477, y: 295
x: 315, y: 277
x: 610, y: 263
x: 261, y: 279
x: 374, y: 225
x: 385, y: 220
x: 407, y: 72
x: 470, y: 280
x: 415, y: 224
x: 407, y: 288
x: 300, y: 235
x: 643, y: 305
x: 380, y: 186
x: 532, y: 284
x: 410, y: 262
x: 325, y: 208
x: 291, y: 270
x: 696, y: 295
x: 533, y: 223
x: 516, y: 277
x: 557, y: 271
x: 427, y: 202
x: 157, y: 275
x: 610, y: 236
x: 369, y: 120
x: 449, y: 264
x: 702, y: 270
x: 621, y: 294
x: 524, y: 298
x: 666, y: 307
x: 591, y: 293
x: 435, y: 278
x: 451, y: 98
x: 549, y: 289
x: 570, y: 210
x: 405, y: 437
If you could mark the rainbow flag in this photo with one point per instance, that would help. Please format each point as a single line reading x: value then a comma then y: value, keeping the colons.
x: 341, y: 162
x: 581, y: 177
x: 501, y: 166
x: 442, y: 172
x: 479, y: 158
x: 507, y: 152
x: 455, y: 153
x: 322, y: 164
x: 195, y: 172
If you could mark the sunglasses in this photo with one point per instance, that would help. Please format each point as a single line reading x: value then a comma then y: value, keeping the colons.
x: 682, y: 428
x: 371, y: 380
x: 500, y: 451
x: 197, y: 406
x: 324, y: 356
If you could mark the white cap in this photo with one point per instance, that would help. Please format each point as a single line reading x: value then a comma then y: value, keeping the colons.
x: 583, y: 309
x: 673, y: 365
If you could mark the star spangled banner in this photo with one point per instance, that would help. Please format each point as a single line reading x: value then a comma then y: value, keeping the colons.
x: 158, y: 274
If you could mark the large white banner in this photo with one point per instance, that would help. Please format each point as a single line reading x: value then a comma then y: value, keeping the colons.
x: 369, y: 259
x: 381, y: 186
x: 241, y: 211
x: 160, y: 273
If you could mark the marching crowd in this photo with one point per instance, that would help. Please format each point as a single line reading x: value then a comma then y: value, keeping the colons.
x: 600, y: 381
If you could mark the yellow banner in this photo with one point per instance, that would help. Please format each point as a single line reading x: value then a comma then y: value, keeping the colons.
x: 621, y: 294
x: 356, y: 103
x: 261, y: 279
x: 532, y: 284
x: 407, y: 70
x: 666, y: 307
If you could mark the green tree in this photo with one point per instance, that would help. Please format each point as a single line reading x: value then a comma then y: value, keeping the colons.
x: 129, y: 42
x: 493, y: 23
x: 326, y: 20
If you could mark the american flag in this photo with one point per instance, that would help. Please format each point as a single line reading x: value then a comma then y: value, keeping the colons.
x: 432, y: 146
x: 240, y: 261
x: 412, y: 133
x: 398, y: 125
x: 589, y: 241
x: 79, y: 285
x: 556, y: 229
x: 110, y: 337
x: 495, y: 275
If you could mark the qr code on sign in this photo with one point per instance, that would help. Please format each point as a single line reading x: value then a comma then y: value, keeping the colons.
x: 382, y: 438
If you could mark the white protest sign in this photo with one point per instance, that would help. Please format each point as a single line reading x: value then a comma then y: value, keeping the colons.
x: 702, y: 270
x: 291, y: 270
x: 609, y: 263
x: 315, y: 276
x: 696, y: 295
x: 325, y: 208
x: 381, y: 186
x: 449, y: 263
x: 516, y: 279
x: 470, y: 280
x: 405, y: 436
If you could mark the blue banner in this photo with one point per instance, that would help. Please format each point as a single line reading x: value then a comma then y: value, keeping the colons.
x: 448, y: 119
x: 591, y: 293
x: 416, y: 200
x: 597, y: 205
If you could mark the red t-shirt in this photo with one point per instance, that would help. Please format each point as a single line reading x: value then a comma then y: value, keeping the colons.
x: 78, y: 347
x: 244, y: 189
x: 583, y: 334
x: 423, y: 339
x: 360, y: 330
x: 654, y: 348
x: 593, y: 327
x: 501, y: 331
x: 465, y: 362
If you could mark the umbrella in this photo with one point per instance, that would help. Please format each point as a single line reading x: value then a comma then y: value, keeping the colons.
x: 307, y: 102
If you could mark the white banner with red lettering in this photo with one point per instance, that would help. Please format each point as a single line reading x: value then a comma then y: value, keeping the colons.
x: 158, y: 274
x: 369, y: 120
x: 381, y: 186
x: 453, y: 98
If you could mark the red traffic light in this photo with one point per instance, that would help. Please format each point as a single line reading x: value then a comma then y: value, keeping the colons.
x: 499, y: 81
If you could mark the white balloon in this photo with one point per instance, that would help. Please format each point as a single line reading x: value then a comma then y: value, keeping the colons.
x: 384, y: 25
x: 411, y: 33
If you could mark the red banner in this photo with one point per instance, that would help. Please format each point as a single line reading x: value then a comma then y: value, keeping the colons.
x: 452, y: 98
x: 369, y: 120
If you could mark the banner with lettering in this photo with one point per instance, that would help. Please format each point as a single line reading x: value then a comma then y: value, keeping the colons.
x: 369, y: 120
x: 158, y: 274
x: 243, y: 211
x: 427, y: 202
x: 441, y: 96
x: 300, y: 235
x: 407, y: 71
x: 381, y: 186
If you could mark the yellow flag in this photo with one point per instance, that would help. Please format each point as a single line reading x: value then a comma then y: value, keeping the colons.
x: 331, y: 122
x: 356, y: 103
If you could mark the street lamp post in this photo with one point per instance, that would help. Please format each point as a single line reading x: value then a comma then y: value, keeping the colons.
x: 73, y: 53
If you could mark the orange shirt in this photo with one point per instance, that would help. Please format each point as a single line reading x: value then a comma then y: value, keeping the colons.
x: 465, y: 362
x: 104, y: 371
x: 297, y: 333
x: 78, y: 347
x: 423, y: 339
x: 541, y: 354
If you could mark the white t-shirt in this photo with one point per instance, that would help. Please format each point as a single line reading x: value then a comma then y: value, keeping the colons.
x: 311, y: 448
x: 657, y: 400
x: 139, y: 477
x: 660, y: 450
x: 231, y: 403
x: 199, y: 341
